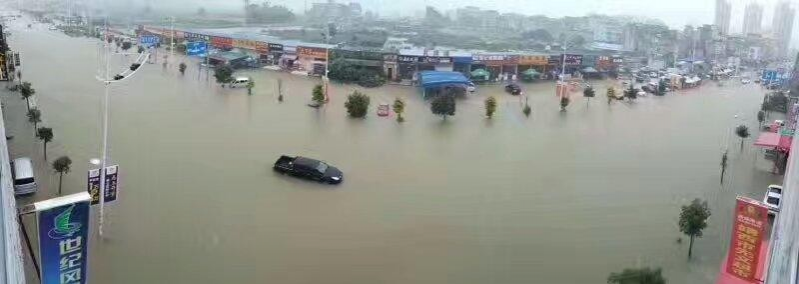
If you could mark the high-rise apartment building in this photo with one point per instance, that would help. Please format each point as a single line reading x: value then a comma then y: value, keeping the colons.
x: 723, y: 11
x: 782, y: 26
x: 753, y: 17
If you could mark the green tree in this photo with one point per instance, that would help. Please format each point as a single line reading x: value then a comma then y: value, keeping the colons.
x: 761, y: 117
x: 644, y: 275
x: 126, y: 45
x: 564, y: 102
x: 662, y: 88
x: 46, y: 135
x: 693, y: 219
x: 26, y: 91
x: 61, y: 166
x: 631, y: 93
x: 250, y: 85
x: 491, y: 106
x: 279, y: 90
x: 140, y: 49
x: 743, y: 132
x: 611, y: 93
x: 399, y: 109
x: 318, y: 95
x: 182, y: 68
x: 527, y: 110
x: 223, y: 74
x: 589, y: 93
x: 357, y: 104
x: 443, y: 105
x: 34, y: 116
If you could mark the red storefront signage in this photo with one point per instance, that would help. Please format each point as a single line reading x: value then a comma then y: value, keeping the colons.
x: 312, y: 52
x: 261, y: 47
x: 749, y: 227
x: 221, y: 42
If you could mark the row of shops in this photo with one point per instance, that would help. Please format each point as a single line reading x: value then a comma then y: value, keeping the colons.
x: 402, y: 65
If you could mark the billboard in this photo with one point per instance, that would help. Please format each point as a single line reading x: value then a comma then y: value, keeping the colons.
x: 149, y: 40
x: 196, y: 48
x: 749, y: 228
x: 63, y: 225
x: 111, y: 183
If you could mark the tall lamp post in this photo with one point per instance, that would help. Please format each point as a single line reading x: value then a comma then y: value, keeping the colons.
x: 107, y: 80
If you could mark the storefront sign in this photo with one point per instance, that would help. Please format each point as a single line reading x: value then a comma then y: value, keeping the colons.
x: 94, y: 186
x: 195, y: 36
x: 573, y: 59
x: 274, y: 47
x: 221, y: 42
x: 495, y: 60
x: 312, y: 52
x: 63, y: 225
x: 435, y: 60
x: 407, y: 59
x: 261, y: 47
x: 245, y: 44
x: 618, y: 60
x: 393, y: 58
x: 533, y: 59
x: 111, y: 183
x: 749, y: 227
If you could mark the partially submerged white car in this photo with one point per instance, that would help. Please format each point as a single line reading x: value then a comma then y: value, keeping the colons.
x: 772, y: 198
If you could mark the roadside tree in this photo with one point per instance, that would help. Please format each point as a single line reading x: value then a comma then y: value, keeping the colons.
x: 743, y: 132
x: 357, y: 104
x: 611, y: 93
x: 693, y: 219
x: 250, y: 86
x: 443, y: 105
x: 589, y: 93
x: 564, y: 102
x: 46, y: 135
x: 761, y: 117
x: 182, y: 68
x: 61, y: 166
x: 34, y: 116
x: 491, y: 106
x: 644, y: 275
x: 223, y: 74
x: 26, y: 91
x: 318, y: 95
x: 399, y: 109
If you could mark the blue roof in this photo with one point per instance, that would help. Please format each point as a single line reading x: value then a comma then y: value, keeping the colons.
x: 431, y: 79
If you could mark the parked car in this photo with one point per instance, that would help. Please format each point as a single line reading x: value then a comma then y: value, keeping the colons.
x: 772, y: 198
x: 745, y: 81
x: 24, y: 180
x: 309, y: 169
x: 513, y: 89
x: 239, y: 82
x: 471, y: 87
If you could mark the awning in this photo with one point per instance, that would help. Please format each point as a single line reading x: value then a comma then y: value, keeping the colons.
x: 431, y: 79
x: 480, y: 73
x: 589, y: 70
x: 531, y: 72
x: 774, y: 140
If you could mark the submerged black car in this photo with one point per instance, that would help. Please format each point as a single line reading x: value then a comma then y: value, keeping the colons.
x: 308, y: 168
x: 513, y: 89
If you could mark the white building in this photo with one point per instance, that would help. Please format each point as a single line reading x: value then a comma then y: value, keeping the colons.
x: 753, y: 17
x: 782, y: 26
x: 723, y: 11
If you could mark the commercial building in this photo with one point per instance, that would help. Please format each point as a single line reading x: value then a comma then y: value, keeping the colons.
x: 753, y: 17
x: 723, y: 11
x: 782, y: 26
x: 11, y: 262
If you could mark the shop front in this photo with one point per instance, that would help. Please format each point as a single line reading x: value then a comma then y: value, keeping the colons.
x: 573, y: 63
x: 390, y: 67
x: 498, y: 66
x: 312, y: 59
x: 410, y: 65
x: 462, y: 64
x: 533, y: 66
x: 246, y: 46
x: 270, y: 53
x: 222, y: 43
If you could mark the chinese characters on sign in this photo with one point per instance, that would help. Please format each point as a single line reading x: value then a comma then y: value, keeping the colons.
x: 245, y: 43
x: 94, y: 186
x: 573, y: 59
x: 63, y: 238
x: 749, y: 226
x: 312, y: 52
x: 533, y: 59
x: 111, y: 183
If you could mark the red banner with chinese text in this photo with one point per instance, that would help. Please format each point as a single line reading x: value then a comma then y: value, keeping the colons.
x: 749, y: 228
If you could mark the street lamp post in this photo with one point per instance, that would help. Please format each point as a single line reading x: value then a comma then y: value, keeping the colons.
x: 107, y: 80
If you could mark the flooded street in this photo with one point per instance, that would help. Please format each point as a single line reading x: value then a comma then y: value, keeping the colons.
x: 553, y: 198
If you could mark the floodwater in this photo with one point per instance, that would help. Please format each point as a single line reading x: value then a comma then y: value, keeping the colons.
x: 559, y: 197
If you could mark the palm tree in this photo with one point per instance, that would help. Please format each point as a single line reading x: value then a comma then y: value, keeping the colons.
x: 46, y: 135
x: 26, y: 91
x: 491, y: 106
x: 743, y: 132
x: 34, y: 116
x: 61, y: 166
x: 644, y: 275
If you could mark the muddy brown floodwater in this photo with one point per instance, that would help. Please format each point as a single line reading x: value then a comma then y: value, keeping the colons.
x: 553, y: 198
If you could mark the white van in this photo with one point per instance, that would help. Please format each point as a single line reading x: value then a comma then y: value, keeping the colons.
x: 240, y: 82
x: 24, y: 182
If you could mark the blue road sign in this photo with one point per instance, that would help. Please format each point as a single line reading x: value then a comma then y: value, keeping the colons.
x: 149, y: 40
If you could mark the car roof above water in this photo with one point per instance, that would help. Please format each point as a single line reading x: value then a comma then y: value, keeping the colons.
x: 308, y: 162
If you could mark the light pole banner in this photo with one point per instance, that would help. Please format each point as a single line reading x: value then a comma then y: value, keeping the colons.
x: 63, y: 225
x: 94, y: 186
x: 749, y: 229
x: 111, y: 183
